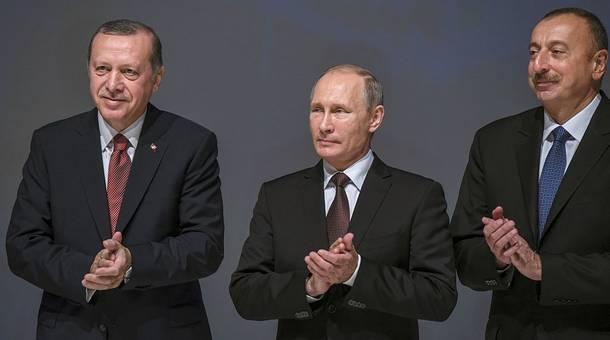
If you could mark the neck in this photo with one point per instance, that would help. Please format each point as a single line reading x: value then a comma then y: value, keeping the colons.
x: 562, y: 112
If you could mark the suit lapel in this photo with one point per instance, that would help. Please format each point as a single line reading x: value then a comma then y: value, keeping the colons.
x: 90, y: 168
x: 374, y: 190
x: 528, y: 159
x: 313, y: 213
x: 146, y: 160
x: 593, y: 145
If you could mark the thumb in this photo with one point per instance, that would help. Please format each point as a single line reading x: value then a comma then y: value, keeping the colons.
x: 497, y: 213
x: 348, y: 240
x: 118, y: 237
x: 112, y: 245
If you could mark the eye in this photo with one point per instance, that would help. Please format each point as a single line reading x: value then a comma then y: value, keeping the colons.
x: 316, y: 109
x: 557, y: 52
x: 102, y: 69
x: 130, y: 73
x: 532, y: 52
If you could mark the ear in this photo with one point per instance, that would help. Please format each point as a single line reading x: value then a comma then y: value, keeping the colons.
x: 158, y: 76
x: 600, y: 63
x: 376, y: 118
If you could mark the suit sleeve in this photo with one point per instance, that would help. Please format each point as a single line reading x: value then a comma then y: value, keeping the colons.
x: 258, y: 291
x: 197, y: 249
x: 424, y: 290
x: 31, y: 251
x: 475, y: 263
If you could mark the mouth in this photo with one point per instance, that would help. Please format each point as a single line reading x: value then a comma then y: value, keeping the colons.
x: 544, y: 84
x: 113, y: 99
x: 326, y: 141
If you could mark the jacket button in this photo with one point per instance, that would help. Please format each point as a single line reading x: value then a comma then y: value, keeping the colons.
x: 102, y: 328
x: 332, y: 308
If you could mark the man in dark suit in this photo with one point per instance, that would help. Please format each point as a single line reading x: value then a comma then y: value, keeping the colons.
x: 531, y: 222
x: 350, y: 248
x: 119, y: 212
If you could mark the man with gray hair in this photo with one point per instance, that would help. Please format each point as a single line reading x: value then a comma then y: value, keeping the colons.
x: 119, y: 211
x: 531, y: 221
x: 350, y: 248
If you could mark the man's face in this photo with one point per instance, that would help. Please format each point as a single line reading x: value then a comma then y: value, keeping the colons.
x: 341, y: 125
x: 121, y: 77
x: 562, y: 67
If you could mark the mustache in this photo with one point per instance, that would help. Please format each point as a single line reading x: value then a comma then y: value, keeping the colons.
x: 111, y: 95
x: 545, y: 77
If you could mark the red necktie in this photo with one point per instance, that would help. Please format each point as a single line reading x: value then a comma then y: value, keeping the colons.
x: 337, y: 219
x: 118, y: 172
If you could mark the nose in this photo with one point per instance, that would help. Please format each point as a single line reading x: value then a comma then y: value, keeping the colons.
x: 540, y: 62
x: 326, y: 125
x: 114, y: 83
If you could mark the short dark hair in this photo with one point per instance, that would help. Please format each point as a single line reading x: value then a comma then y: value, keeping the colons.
x: 373, y: 91
x: 130, y: 27
x: 598, y: 31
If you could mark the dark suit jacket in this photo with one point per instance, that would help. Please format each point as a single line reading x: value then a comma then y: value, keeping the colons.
x: 171, y: 219
x: 406, y: 271
x: 573, y: 299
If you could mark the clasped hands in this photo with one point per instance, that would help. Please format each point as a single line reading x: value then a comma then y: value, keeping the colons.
x: 109, y: 266
x: 509, y: 247
x: 332, y: 266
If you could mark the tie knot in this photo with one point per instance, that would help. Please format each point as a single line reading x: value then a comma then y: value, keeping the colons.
x: 560, y: 135
x: 121, y: 143
x: 340, y: 179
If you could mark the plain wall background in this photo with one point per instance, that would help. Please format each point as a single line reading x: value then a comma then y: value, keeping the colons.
x: 245, y: 68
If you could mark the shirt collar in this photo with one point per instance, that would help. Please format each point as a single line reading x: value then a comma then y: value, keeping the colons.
x: 107, y: 132
x: 577, y: 125
x: 356, y: 172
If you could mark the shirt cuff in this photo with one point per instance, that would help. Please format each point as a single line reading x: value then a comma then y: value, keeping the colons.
x: 89, y: 294
x: 350, y: 281
x: 311, y: 299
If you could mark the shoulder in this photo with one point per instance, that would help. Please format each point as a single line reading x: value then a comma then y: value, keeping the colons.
x: 182, y: 128
x: 411, y: 182
x: 510, y: 124
x: 294, y: 179
x: 64, y: 126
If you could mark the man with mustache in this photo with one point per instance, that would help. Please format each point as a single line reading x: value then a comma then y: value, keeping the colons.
x: 119, y: 212
x: 350, y: 248
x: 531, y: 221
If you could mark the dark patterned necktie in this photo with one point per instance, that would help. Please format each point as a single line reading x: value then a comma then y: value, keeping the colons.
x: 118, y: 172
x: 337, y: 219
x: 552, y: 173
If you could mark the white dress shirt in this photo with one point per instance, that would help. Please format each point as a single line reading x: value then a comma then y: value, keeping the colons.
x: 107, y: 133
x: 357, y: 173
x: 576, y: 126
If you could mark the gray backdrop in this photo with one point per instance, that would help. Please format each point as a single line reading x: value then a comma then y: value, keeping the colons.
x: 244, y: 69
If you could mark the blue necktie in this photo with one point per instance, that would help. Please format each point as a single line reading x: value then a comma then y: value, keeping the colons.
x: 552, y: 173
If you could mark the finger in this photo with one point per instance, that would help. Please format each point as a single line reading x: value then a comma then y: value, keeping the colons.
x: 98, y: 286
x: 320, y: 262
x: 329, y: 257
x: 113, y: 271
x: 505, y: 240
x: 340, y: 248
x: 315, y: 269
x: 348, y: 240
x: 117, y: 236
x: 504, y: 229
x: 111, y: 245
x: 104, y: 263
x: 492, y: 225
x: 497, y: 213
x: 101, y: 280
x: 336, y: 243
x: 511, y: 251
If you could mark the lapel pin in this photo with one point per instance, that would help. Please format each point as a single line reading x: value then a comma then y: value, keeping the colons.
x: 153, y: 147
